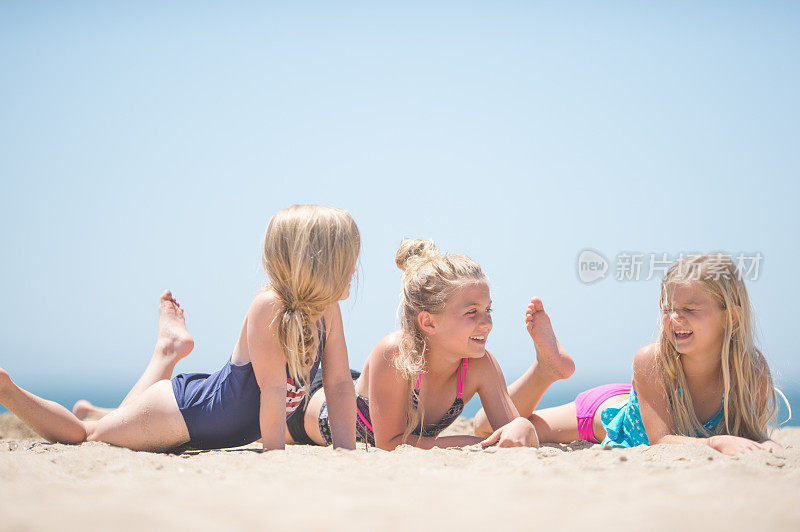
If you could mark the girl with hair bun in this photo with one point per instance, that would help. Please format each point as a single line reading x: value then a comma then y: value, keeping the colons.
x: 310, y: 255
x: 417, y: 380
x: 704, y: 380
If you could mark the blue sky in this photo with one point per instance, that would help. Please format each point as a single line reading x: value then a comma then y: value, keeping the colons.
x: 147, y: 146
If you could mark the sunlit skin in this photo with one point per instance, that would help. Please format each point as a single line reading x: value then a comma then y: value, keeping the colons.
x: 696, y: 323
x: 85, y: 410
x: 552, y: 364
x: 462, y: 328
x: 151, y: 403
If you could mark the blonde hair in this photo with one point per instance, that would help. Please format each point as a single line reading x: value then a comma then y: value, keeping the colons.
x: 429, y: 281
x: 309, y: 256
x: 749, y: 402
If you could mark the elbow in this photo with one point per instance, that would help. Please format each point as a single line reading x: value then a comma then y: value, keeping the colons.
x: 389, y: 444
x: 274, y: 446
x: 671, y: 438
x: 343, y: 388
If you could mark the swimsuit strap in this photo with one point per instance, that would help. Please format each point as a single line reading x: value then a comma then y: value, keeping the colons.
x: 711, y: 424
x: 462, y: 375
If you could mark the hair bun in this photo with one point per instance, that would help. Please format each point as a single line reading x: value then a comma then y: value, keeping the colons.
x: 415, y: 251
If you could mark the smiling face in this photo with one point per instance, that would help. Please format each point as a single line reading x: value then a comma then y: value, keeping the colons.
x: 463, y: 327
x: 693, y: 320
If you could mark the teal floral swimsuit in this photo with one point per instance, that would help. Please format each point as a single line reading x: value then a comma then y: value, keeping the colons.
x: 625, y: 428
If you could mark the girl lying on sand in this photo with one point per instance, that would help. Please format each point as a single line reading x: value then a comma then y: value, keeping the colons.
x: 309, y: 256
x: 417, y: 380
x: 445, y: 320
x: 702, y: 381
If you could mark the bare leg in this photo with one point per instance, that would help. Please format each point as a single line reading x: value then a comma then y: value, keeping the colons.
x: 552, y: 363
x: 556, y: 425
x: 173, y: 343
x: 48, y: 419
x: 86, y: 411
x: 560, y: 423
x: 149, y: 422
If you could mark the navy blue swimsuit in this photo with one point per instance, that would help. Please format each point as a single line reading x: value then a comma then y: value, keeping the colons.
x: 222, y: 409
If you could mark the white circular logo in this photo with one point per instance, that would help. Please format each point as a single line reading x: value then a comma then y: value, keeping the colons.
x: 592, y: 266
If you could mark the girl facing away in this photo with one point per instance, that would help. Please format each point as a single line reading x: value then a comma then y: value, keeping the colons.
x: 417, y: 380
x: 309, y: 256
x: 703, y: 381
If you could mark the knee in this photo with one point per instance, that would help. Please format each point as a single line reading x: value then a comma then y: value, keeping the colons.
x: 5, y: 380
x: 90, y: 431
x: 71, y: 436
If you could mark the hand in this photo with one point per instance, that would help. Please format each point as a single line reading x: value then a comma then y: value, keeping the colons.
x: 770, y: 445
x: 517, y: 433
x: 734, y: 445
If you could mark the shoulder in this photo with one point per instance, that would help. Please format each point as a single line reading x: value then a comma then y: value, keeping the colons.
x: 644, y: 361
x: 381, y: 360
x: 484, y: 371
x: 646, y: 378
x: 333, y: 311
x: 265, y: 305
x: 386, y: 349
x: 266, y: 302
x: 333, y: 317
x: 485, y: 363
x: 331, y: 329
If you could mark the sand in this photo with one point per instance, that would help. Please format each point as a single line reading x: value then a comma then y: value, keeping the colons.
x: 96, y: 486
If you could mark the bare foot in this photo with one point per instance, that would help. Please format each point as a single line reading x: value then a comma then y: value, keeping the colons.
x: 550, y: 356
x: 174, y: 340
x: 86, y: 411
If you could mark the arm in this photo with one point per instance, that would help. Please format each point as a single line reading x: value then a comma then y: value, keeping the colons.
x: 269, y: 367
x: 388, y: 401
x: 525, y: 392
x: 481, y: 425
x: 653, y: 402
x: 427, y: 442
x: 339, y: 391
x: 388, y: 394
x: 491, y: 393
x: 724, y: 443
x: 499, y: 412
x: 656, y: 415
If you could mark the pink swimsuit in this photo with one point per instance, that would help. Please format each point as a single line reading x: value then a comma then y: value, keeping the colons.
x: 587, y: 403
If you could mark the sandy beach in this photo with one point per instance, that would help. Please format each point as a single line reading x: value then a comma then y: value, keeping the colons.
x: 96, y: 486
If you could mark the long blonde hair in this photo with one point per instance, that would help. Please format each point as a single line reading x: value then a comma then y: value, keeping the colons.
x: 429, y: 281
x: 309, y: 256
x: 749, y: 402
